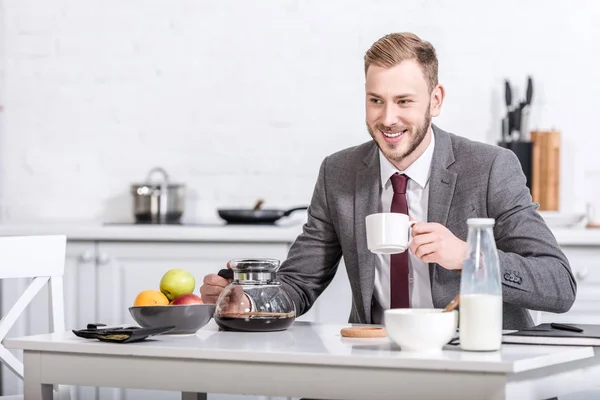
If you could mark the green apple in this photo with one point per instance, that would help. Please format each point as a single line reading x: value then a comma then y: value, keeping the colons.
x: 176, y: 282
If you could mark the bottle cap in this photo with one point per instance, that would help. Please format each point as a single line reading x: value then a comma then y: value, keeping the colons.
x: 481, y: 222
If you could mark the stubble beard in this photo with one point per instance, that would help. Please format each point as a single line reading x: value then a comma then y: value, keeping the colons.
x: 394, y: 154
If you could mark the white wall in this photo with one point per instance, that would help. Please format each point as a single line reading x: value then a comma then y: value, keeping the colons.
x: 242, y: 99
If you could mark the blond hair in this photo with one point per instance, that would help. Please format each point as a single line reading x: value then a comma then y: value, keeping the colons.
x: 394, y: 48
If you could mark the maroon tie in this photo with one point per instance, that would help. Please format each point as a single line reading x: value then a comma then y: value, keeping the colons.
x: 399, y: 262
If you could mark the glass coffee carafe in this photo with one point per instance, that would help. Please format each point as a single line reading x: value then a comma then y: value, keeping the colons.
x: 254, y: 301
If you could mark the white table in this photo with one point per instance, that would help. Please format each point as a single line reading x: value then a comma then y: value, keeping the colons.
x: 309, y: 360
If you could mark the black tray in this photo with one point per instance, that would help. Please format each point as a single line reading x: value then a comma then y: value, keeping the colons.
x: 127, y: 334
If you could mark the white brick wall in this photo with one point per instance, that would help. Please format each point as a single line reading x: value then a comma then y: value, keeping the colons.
x: 242, y: 99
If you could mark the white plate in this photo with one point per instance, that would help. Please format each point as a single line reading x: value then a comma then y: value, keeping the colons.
x: 559, y: 219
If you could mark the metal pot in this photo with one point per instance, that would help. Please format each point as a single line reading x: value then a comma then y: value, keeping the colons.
x: 158, y: 203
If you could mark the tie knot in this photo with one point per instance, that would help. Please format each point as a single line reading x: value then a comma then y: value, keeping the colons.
x: 399, y: 183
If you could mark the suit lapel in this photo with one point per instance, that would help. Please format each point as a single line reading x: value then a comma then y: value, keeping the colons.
x: 367, y: 201
x: 442, y: 183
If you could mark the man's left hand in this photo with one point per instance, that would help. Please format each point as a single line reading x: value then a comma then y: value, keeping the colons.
x: 434, y: 243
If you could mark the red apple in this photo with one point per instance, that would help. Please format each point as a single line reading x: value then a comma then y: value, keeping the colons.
x: 188, y: 298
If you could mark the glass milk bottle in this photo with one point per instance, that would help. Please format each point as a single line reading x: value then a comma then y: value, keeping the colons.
x: 480, y: 320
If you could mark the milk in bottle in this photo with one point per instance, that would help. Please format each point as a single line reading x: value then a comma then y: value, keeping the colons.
x: 480, y: 318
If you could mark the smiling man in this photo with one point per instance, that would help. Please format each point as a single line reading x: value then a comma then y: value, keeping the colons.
x: 442, y: 180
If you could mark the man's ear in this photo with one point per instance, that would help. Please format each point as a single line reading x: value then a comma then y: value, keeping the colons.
x: 437, y: 99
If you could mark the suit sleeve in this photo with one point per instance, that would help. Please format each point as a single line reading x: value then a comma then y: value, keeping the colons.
x: 534, y: 271
x: 315, y: 255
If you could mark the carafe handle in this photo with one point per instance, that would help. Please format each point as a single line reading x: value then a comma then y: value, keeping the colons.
x: 225, y: 273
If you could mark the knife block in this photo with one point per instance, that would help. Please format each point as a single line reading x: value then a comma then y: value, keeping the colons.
x: 546, y: 169
x: 524, y: 152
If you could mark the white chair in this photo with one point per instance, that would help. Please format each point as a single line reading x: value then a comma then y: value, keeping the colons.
x: 41, y: 258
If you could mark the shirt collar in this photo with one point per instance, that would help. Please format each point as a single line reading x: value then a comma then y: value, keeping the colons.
x: 418, y: 171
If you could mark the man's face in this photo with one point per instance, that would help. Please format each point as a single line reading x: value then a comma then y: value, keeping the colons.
x: 399, y: 110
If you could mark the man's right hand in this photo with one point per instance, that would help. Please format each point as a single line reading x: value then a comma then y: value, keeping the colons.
x: 212, y: 287
x: 236, y: 301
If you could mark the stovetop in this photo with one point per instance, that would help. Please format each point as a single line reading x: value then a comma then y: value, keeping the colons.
x: 191, y: 224
x: 184, y: 224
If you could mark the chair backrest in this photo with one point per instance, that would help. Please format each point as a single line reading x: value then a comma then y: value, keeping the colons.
x: 41, y: 258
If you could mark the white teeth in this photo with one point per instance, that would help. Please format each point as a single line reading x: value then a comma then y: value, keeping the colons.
x: 393, y: 135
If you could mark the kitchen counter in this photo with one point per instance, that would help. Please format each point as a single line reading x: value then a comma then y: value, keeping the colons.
x: 577, y: 236
x: 280, y: 233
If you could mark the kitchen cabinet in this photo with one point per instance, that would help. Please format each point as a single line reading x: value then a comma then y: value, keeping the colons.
x: 120, y: 270
x: 585, y: 265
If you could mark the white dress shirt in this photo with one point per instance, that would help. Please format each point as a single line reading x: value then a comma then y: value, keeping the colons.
x: 417, y: 196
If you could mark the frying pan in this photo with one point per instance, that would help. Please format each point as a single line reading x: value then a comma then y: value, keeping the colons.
x: 248, y: 216
x: 256, y: 215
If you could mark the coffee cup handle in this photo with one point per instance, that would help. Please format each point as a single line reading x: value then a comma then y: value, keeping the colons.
x: 410, y: 226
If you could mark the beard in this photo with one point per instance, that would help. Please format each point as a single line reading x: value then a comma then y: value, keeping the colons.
x: 396, y: 154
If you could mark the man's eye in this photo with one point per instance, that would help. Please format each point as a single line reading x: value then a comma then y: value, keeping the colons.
x: 376, y: 101
x: 404, y: 101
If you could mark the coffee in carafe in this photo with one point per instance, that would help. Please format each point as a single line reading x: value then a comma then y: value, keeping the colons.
x: 254, y: 301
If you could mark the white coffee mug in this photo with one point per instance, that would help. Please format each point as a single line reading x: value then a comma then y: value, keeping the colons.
x: 388, y: 233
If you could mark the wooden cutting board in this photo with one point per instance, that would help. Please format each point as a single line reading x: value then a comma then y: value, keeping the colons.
x: 545, y: 188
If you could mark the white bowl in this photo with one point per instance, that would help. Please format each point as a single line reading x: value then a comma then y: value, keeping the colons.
x: 420, y: 329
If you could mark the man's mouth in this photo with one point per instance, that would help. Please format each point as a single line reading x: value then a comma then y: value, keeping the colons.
x: 394, y: 134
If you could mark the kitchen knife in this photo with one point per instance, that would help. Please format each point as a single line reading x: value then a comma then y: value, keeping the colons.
x: 507, y: 94
x: 514, y: 120
x: 529, y: 91
x: 525, y: 111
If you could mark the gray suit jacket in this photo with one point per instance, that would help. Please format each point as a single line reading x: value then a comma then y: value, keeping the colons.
x: 468, y: 179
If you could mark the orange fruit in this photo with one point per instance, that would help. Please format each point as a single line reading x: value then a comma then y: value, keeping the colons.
x: 150, y: 298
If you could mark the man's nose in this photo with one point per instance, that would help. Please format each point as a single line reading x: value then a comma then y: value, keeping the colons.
x: 390, y: 117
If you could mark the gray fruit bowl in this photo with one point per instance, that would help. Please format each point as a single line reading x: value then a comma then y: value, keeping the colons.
x: 186, y: 319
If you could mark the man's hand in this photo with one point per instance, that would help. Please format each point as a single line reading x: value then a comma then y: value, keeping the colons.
x: 434, y: 243
x: 212, y: 287
x: 235, y: 301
